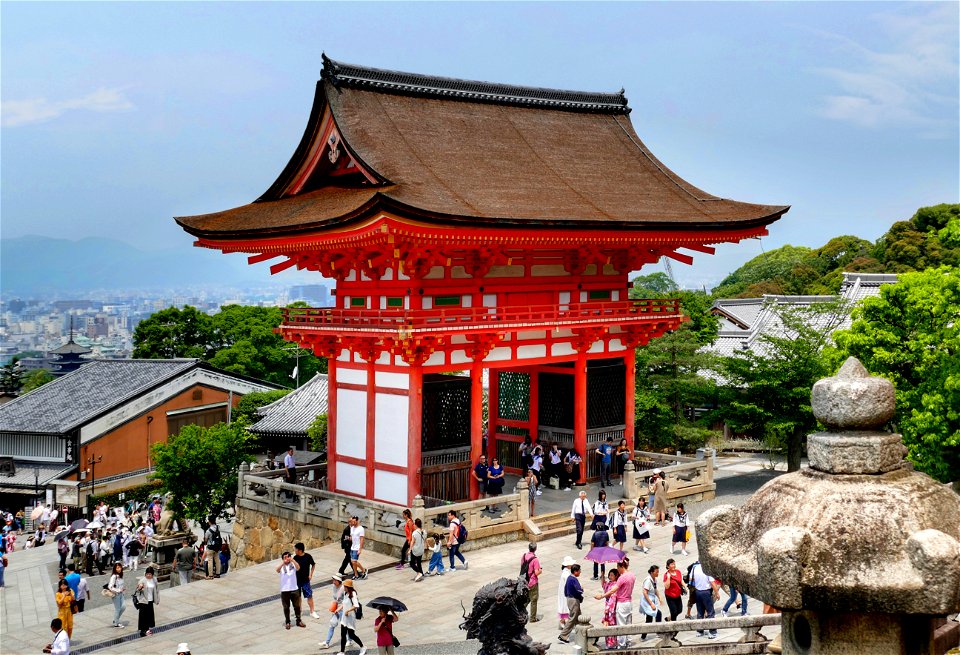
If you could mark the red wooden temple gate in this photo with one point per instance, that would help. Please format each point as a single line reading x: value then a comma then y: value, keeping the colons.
x: 471, y: 226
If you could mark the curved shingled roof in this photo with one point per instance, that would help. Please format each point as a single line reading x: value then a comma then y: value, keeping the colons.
x: 450, y: 151
x: 294, y: 413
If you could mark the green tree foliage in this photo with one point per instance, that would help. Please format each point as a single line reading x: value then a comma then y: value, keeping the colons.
x: 774, y: 267
x: 317, y: 432
x: 768, y: 390
x: 11, y: 377
x: 238, y: 338
x: 655, y: 285
x: 668, y: 386
x: 173, y: 332
x: 198, y: 467
x: 36, y: 379
x: 910, y: 334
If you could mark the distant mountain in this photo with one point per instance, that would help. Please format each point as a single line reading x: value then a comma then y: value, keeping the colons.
x: 42, y: 265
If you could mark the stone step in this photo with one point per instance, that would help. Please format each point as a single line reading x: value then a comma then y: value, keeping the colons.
x: 554, y: 532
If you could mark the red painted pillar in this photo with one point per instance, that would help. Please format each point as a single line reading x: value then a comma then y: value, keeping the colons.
x: 534, y: 404
x: 414, y: 433
x: 580, y: 412
x: 371, y: 451
x: 630, y: 411
x: 493, y: 409
x: 332, y: 422
x: 476, y: 423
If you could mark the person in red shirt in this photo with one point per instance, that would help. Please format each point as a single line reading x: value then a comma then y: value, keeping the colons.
x: 384, y: 629
x: 673, y: 589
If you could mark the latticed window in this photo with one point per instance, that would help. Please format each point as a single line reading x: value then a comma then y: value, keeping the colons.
x: 358, y: 301
x: 447, y: 301
x: 599, y: 294
x: 514, y: 396
x: 445, y: 419
x: 395, y: 302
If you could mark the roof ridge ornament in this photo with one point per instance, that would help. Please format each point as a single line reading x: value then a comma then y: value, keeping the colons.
x: 390, y: 81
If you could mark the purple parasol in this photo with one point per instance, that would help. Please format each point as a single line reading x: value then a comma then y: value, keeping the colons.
x: 604, y: 555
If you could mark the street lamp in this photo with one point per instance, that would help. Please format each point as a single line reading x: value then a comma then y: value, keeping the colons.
x: 92, y: 462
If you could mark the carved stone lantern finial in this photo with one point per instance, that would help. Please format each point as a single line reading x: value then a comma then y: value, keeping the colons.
x: 860, y: 553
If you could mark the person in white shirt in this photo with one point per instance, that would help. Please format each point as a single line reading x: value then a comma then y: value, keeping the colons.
x: 357, y: 538
x: 61, y: 641
x: 707, y: 592
x: 640, y: 529
x: 600, y: 510
x: 289, y: 589
x: 650, y: 601
x: 679, y: 530
x: 537, y: 465
x: 579, y: 512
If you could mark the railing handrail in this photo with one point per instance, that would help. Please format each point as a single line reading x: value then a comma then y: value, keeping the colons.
x: 718, y: 623
x: 276, y: 473
x: 412, y: 319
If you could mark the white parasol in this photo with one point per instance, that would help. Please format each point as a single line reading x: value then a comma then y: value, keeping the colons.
x: 37, y: 512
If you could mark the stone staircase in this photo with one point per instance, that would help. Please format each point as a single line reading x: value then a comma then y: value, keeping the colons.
x: 550, y: 525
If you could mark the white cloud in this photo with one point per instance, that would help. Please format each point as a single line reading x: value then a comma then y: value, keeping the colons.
x: 39, y: 110
x: 913, y: 82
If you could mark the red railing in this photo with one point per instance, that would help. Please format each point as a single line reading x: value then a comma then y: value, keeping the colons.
x: 472, y: 318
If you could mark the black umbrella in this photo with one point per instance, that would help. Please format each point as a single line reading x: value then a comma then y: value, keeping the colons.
x: 387, y: 603
x: 79, y: 523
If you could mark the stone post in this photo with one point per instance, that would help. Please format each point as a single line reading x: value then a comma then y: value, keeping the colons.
x: 631, y: 490
x: 241, y: 474
x: 417, y: 508
x: 523, y: 511
x: 580, y: 638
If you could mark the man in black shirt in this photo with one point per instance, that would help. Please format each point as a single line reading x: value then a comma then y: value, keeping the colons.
x: 304, y: 574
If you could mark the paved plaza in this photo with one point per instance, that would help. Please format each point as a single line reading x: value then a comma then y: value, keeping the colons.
x: 241, y: 613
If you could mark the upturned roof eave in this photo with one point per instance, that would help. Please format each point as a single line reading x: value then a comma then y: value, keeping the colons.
x: 381, y: 202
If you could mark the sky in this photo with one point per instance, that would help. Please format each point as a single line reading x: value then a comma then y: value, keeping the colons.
x: 118, y: 116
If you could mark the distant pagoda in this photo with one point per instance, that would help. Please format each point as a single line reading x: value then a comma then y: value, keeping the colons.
x: 69, y: 355
x: 472, y: 226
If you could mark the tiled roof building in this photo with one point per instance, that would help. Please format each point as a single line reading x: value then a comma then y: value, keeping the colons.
x: 285, y: 421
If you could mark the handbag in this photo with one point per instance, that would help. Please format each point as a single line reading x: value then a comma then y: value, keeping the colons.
x: 74, y: 607
x: 136, y: 600
x: 396, y: 642
x: 107, y: 593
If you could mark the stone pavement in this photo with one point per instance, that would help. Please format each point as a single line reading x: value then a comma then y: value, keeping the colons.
x: 240, y: 613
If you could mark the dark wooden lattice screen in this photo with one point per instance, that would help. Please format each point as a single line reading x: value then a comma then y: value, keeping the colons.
x: 446, y: 412
x: 514, y: 396
x: 556, y: 400
x: 606, y: 389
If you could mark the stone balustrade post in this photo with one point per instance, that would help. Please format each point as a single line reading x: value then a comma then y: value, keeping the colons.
x: 303, y: 502
x: 580, y: 638
x: 523, y: 511
x: 417, y: 509
x: 631, y: 490
x: 241, y: 474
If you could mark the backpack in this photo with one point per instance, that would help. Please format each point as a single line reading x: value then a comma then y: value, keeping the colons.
x: 462, y: 533
x: 359, y: 611
x: 688, y: 578
x: 524, y: 575
x: 215, y: 541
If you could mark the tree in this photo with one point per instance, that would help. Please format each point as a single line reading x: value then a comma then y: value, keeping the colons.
x: 245, y: 412
x: 11, y: 377
x: 317, y: 432
x: 768, y: 387
x: 173, y: 332
x: 36, y: 379
x: 652, y: 286
x: 669, y: 385
x: 910, y: 334
x: 774, y: 266
x: 198, y: 467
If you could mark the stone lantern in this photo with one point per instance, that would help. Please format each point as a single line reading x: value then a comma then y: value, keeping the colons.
x: 859, y: 552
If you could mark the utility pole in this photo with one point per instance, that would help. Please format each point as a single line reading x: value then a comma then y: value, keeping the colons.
x: 92, y: 462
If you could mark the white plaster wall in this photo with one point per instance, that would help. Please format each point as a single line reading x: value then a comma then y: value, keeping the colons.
x: 351, y: 478
x: 499, y: 354
x: 390, y: 487
x: 615, y: 294
x: 615, y: 345
x: 529, y: 352
x: 344, y: 356
x: 351, y: 276
x: 385, y: 359
x: 460, y: 357
x: 393, y: 380
x: 590, y: 269
x: 436, y: 359
x: 436, y: 272
x: 352, y: 375
x: 548, y: 270
x: 352, y: 423
x: 428, y: 302
x: 506, y: 271
x: 597, y: 347
x: 564, y: 297
x: 466, y: 300
x: 387, y: 274
x: 583, y: 296
x: 608, y: 269
x: 458, y: 272
x: 391, y: 429
x: 489, y: 300
x: 560, y: 349
x: 526, y: 336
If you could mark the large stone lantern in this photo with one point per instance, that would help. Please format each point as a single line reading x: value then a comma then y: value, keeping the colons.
x: 858, y: 551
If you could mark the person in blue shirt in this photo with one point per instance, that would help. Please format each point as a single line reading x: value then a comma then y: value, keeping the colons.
x: 73, y: 579
x: 606, y: 461
x: 573, y: 592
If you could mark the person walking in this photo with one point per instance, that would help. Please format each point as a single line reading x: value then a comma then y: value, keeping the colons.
x: 679, y: 530
x: 116, y: 586
x: 530, y: 570
x: 417, y: 540
x: 623, y: 590
x: 61, y: 640
x: 605, y: 450
x: 453, y: 541
x: 211, y: 554
x: 357, y: 540
x: 83, y: 594
x: 348, y: 624
x: 707, y: 592
x: 650, y: 597
x: 658, y: 497
x: 289, y: 471
x: 335, y: 610
x: 134, y: 548
x: 147, y: 595
x: 408, y: 527
x: 601, y: 510
x: 620, y: 525
x: 640, y: 530
x: 65, y: 599
x: 599, y: 539
x: 184, y: 561
x: 436, y: 555
x: 573, y: 592
x: 383, y: 626
x: 63, y: 549
x: 610, y: 606
x: 741, y: 604
x: 289, y: 590
x: 345, y: 545
x: 674, y: 589
x: 579, y: 512
x: 563, y: 612
x: 536, y: 465
x: 305, y: 569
